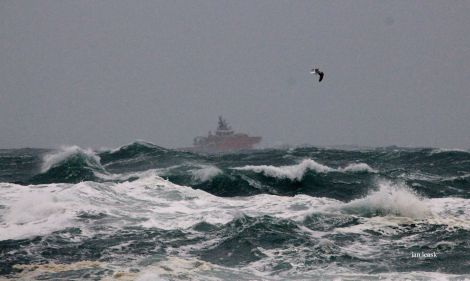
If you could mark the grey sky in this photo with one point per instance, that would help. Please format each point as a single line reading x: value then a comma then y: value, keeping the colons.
x: 104, y: 73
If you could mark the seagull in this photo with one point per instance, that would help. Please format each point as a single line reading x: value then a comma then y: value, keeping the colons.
x: 317, y: 71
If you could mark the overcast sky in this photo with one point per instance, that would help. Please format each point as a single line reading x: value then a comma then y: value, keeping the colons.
x: 105, y: 73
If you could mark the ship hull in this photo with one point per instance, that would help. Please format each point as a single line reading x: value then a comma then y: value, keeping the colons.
x: 225, y: 144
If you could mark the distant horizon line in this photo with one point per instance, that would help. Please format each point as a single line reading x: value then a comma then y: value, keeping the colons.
x: 272, y: 146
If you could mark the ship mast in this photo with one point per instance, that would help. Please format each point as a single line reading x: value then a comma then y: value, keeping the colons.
x: 223, y: 128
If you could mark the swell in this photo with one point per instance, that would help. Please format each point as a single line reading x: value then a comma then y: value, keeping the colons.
x: 141, y: 156
x: 334, y: 173
x: 342, y: 183
x: 72, y: 164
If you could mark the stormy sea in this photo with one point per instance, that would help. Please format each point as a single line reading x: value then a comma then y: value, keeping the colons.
x: 143, y: 212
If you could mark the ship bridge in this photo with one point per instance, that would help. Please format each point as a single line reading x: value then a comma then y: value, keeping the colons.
x: 223, y: 129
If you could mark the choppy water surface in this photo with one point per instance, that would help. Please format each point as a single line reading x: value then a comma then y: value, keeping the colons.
x: 142, y: 212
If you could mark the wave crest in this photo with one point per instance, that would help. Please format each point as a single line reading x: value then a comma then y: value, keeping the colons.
x: 53, y: 159
x: 69, y: 164
x: 389, y: 199
x: 357, y: 168
x: 292, y: 172
x: 297, y: 172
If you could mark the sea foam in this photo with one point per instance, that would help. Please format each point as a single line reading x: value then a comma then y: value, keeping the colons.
x: 33, y: 211
x: 297, y: 171
x: 206, y: 173
x: 390, y: 199
x: 292, y: 172
x: 358, y: 167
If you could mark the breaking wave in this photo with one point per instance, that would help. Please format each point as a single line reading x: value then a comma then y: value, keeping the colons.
x: 298, y: 171
x: 69, y: 164
x: 357, y: 168
x: 66, y: 152
x: 292, y: 172
x: 145, y: 212
x: 389, y: 199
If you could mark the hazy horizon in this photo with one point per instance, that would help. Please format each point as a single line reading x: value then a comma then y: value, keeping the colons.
x: 107, y: 73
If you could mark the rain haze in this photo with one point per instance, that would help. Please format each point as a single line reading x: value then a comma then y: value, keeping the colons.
x: 105, y: 73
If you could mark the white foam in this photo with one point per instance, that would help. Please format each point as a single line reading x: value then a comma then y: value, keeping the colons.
x: 172, y: 206
x: 206, y: 173
x: 453, y: 212
x: 297, y: 171
x: 421, y: 176
x: 292, y: 172
x: 444, y: 150
x: 36, y: 210
x: 52, y: 159
x: 450, y: 212
x: 390, y: 199
x: 358, y: 167
x: 462, y: 177
x: 149, y: 201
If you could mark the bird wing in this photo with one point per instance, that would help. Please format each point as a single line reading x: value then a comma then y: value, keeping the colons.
x: 321, y: 76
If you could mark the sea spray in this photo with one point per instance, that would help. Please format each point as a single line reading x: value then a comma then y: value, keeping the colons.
x: 390, y: 199
x: 55, y: 158
x: 206, y: 173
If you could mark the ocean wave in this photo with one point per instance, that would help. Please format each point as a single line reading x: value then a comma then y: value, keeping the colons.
x: 448, y: 150
x: 389, y: 199
x: 57, y: 206
x: 237, y: 237
x: 69, y: 164
x: 292, y: 172
x: 228, y: 182
x: 66, y: 152
x: 141, y: 156
x: 37, y: 210
x: 138, y: 146
x: 298, y: 171
x: 161, y: 214
x: 337, y: 174
x: 206, y: 173
x: 131, y: 154
x: 143, y: 221
x: 357, y: 168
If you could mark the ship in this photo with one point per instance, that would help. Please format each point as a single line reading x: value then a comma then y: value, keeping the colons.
x: 224, y: 140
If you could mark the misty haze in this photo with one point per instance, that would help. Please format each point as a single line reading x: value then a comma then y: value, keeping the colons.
x: 103, y: 74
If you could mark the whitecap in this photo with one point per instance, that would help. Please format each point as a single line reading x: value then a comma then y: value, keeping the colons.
x: 357, y: 168
x: 52, y: 159
x: 389, y: 199
x: 292, y: 172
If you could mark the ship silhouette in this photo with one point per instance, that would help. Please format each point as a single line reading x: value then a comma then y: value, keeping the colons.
x: 224, y: 140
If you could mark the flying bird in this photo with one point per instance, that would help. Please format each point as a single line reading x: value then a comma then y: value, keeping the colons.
x: 318, y: 72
